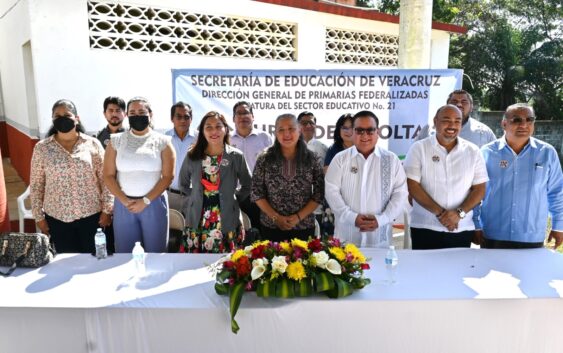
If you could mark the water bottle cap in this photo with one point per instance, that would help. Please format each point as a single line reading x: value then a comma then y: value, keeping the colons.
x: 137, y: 243
x: 99, y: 230
x: 391, y: 247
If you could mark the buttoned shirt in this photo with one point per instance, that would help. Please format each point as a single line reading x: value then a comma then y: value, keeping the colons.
x: 68, y: 185
x: 446, y: 177
x: 473, y: 131
x: 522, y: 190
x: 357, y: 185
x: 319, y: 148
x: 251, y: 145
x: 181, y: 147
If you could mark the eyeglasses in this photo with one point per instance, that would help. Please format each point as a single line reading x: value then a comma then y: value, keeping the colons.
x: 517, y: 120
x: 307, y: 122
x: 361, y: 130
x: 182, y: 117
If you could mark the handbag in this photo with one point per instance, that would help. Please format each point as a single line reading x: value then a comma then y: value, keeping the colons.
x: 24, y: 250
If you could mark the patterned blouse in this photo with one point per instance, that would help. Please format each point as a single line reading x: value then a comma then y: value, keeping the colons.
x: 287, y: 188
x: 68, y: 185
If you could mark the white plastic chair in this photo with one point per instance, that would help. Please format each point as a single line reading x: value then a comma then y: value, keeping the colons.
x: 23, y: 213
x: 176, y: 219
x: 317, y: 229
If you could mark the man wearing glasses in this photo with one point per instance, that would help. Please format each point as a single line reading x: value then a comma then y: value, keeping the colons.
x: 471, y: 130
x: 181, y: 116
x: 365, y: 186
x: 525, y: 185
x: 251, y: 142
x: 308, y: 124
x: 446, y: 177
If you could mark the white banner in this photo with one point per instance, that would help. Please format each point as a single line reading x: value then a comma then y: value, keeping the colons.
x: 403, y: 100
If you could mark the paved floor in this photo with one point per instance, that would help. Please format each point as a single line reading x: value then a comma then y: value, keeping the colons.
x: 14, y: 187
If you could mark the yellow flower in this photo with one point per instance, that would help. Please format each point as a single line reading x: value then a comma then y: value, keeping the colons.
x: 237, y: 255
x: 300, y: 243
x: 258, y: 243
x: 338, y: 253
x: 355, y: 252
x: 296, y: 271
x: 285, y: 247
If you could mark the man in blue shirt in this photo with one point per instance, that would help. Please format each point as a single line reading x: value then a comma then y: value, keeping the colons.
x: 181, y: 116
x: 525, y: 185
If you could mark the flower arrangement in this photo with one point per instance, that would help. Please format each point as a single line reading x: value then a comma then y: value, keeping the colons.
x: 295, y: 268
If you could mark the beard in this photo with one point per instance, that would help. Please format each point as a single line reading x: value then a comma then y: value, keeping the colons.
x: 115, y: 123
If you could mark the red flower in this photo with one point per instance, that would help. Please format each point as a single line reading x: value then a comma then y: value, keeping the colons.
x: 315, y: 245
x: 365, y: 266
x: 243, y: 266
x: 213, y: 217
x: 334, y: 242
x: 257, y: 252
x: 229, y: 264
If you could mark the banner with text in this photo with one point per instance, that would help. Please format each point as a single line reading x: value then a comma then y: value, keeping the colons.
x: 403, y: 100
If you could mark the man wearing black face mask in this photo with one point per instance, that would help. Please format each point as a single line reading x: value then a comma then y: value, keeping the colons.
x: 114, y: 112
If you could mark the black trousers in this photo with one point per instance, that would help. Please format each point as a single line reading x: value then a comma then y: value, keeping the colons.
x: 252, y: 211
x: 506, y: 244
x: 426, y: 239
x: 74, y: 237
x: 279, y: 235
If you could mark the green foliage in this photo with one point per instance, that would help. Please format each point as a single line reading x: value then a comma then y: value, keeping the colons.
x: 512, y: 52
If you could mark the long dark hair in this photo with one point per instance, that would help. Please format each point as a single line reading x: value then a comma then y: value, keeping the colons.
x: 197, y: 151
x: 70, y: 106
x: 303, y: 158
x: 338, y: 141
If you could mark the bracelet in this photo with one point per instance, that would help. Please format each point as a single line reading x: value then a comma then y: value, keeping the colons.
x: 274, y: 218
x: 441, y: 213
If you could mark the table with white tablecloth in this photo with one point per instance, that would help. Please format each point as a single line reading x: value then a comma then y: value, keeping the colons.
x: 456, y: 300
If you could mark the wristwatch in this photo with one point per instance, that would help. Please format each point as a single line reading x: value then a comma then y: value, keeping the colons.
x: 461, y: 213
x: 146, y: 200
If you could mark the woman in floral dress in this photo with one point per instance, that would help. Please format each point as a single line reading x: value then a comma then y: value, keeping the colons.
x: 209, y: 177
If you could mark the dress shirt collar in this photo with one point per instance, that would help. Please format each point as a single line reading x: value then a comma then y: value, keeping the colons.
x: 503, y: 143
x: 354, y: 151
x: 252, y: 132
x: 172, y: 132
x: 435, y: 143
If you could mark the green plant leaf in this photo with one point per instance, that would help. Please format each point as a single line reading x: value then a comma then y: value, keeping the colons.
x: 324, y: 281
x: 235, y: 297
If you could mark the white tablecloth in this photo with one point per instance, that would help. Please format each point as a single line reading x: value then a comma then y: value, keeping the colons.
x: 458, y: 300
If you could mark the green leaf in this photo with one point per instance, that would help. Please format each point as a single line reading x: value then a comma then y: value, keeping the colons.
x: 284, y: 289
x: 341, y: 289
x: 303, y: 288
x: 222, y: 276
x: 266, y: 289
x: 235, y: 297
x: 324, y: 281
x: 222, y: 288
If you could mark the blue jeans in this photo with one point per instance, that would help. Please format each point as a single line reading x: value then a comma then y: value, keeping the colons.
x: 150, y: 227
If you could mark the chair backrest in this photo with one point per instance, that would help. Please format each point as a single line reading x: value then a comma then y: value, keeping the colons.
x: 21, y: 203
x: 245, y: 221
x: 177, y: 220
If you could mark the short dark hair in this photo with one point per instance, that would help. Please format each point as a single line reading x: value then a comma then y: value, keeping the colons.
x: 142, y: 100
x: 180, y: 104
x: 238, y: 104
x: 306, y: 113
x: 364, y: 114
x: 339, y: 124
x: 461, y: 91
x: 114, y: 100
x: 197, y: 151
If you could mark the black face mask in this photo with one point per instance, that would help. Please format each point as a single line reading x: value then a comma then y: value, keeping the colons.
x: 139, y: 122
x: 64, y: 124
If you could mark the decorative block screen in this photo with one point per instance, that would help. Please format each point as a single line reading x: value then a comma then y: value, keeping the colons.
x: 351, y: 47
x: 122, y: 26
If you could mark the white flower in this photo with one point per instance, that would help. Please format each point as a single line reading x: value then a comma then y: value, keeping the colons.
x: 258, y: 262
x: 216, y: 234
x: 208, y: 243
x: 248, y: 249
x: 333, y: 267
x: 279, y: 264
x: 257, y: 271
x: 206, y: 214
x: 321, y: 258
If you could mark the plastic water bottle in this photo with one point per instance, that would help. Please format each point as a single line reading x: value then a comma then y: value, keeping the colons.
x: 139, y: 258
x: 100, y: 242
x: 391, y: 262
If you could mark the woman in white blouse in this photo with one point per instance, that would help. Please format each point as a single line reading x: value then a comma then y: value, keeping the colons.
x: 138, y: 167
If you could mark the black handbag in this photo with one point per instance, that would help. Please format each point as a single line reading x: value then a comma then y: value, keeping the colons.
x: 24, y: 250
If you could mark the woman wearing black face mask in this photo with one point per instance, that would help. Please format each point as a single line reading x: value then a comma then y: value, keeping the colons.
x: 68, y: 196
x: 139, y: 167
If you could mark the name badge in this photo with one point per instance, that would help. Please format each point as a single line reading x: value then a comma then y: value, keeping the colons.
x: 225, y: 162
x: 354, y: 170
x: 503, y: 164
x: 435, y: 159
